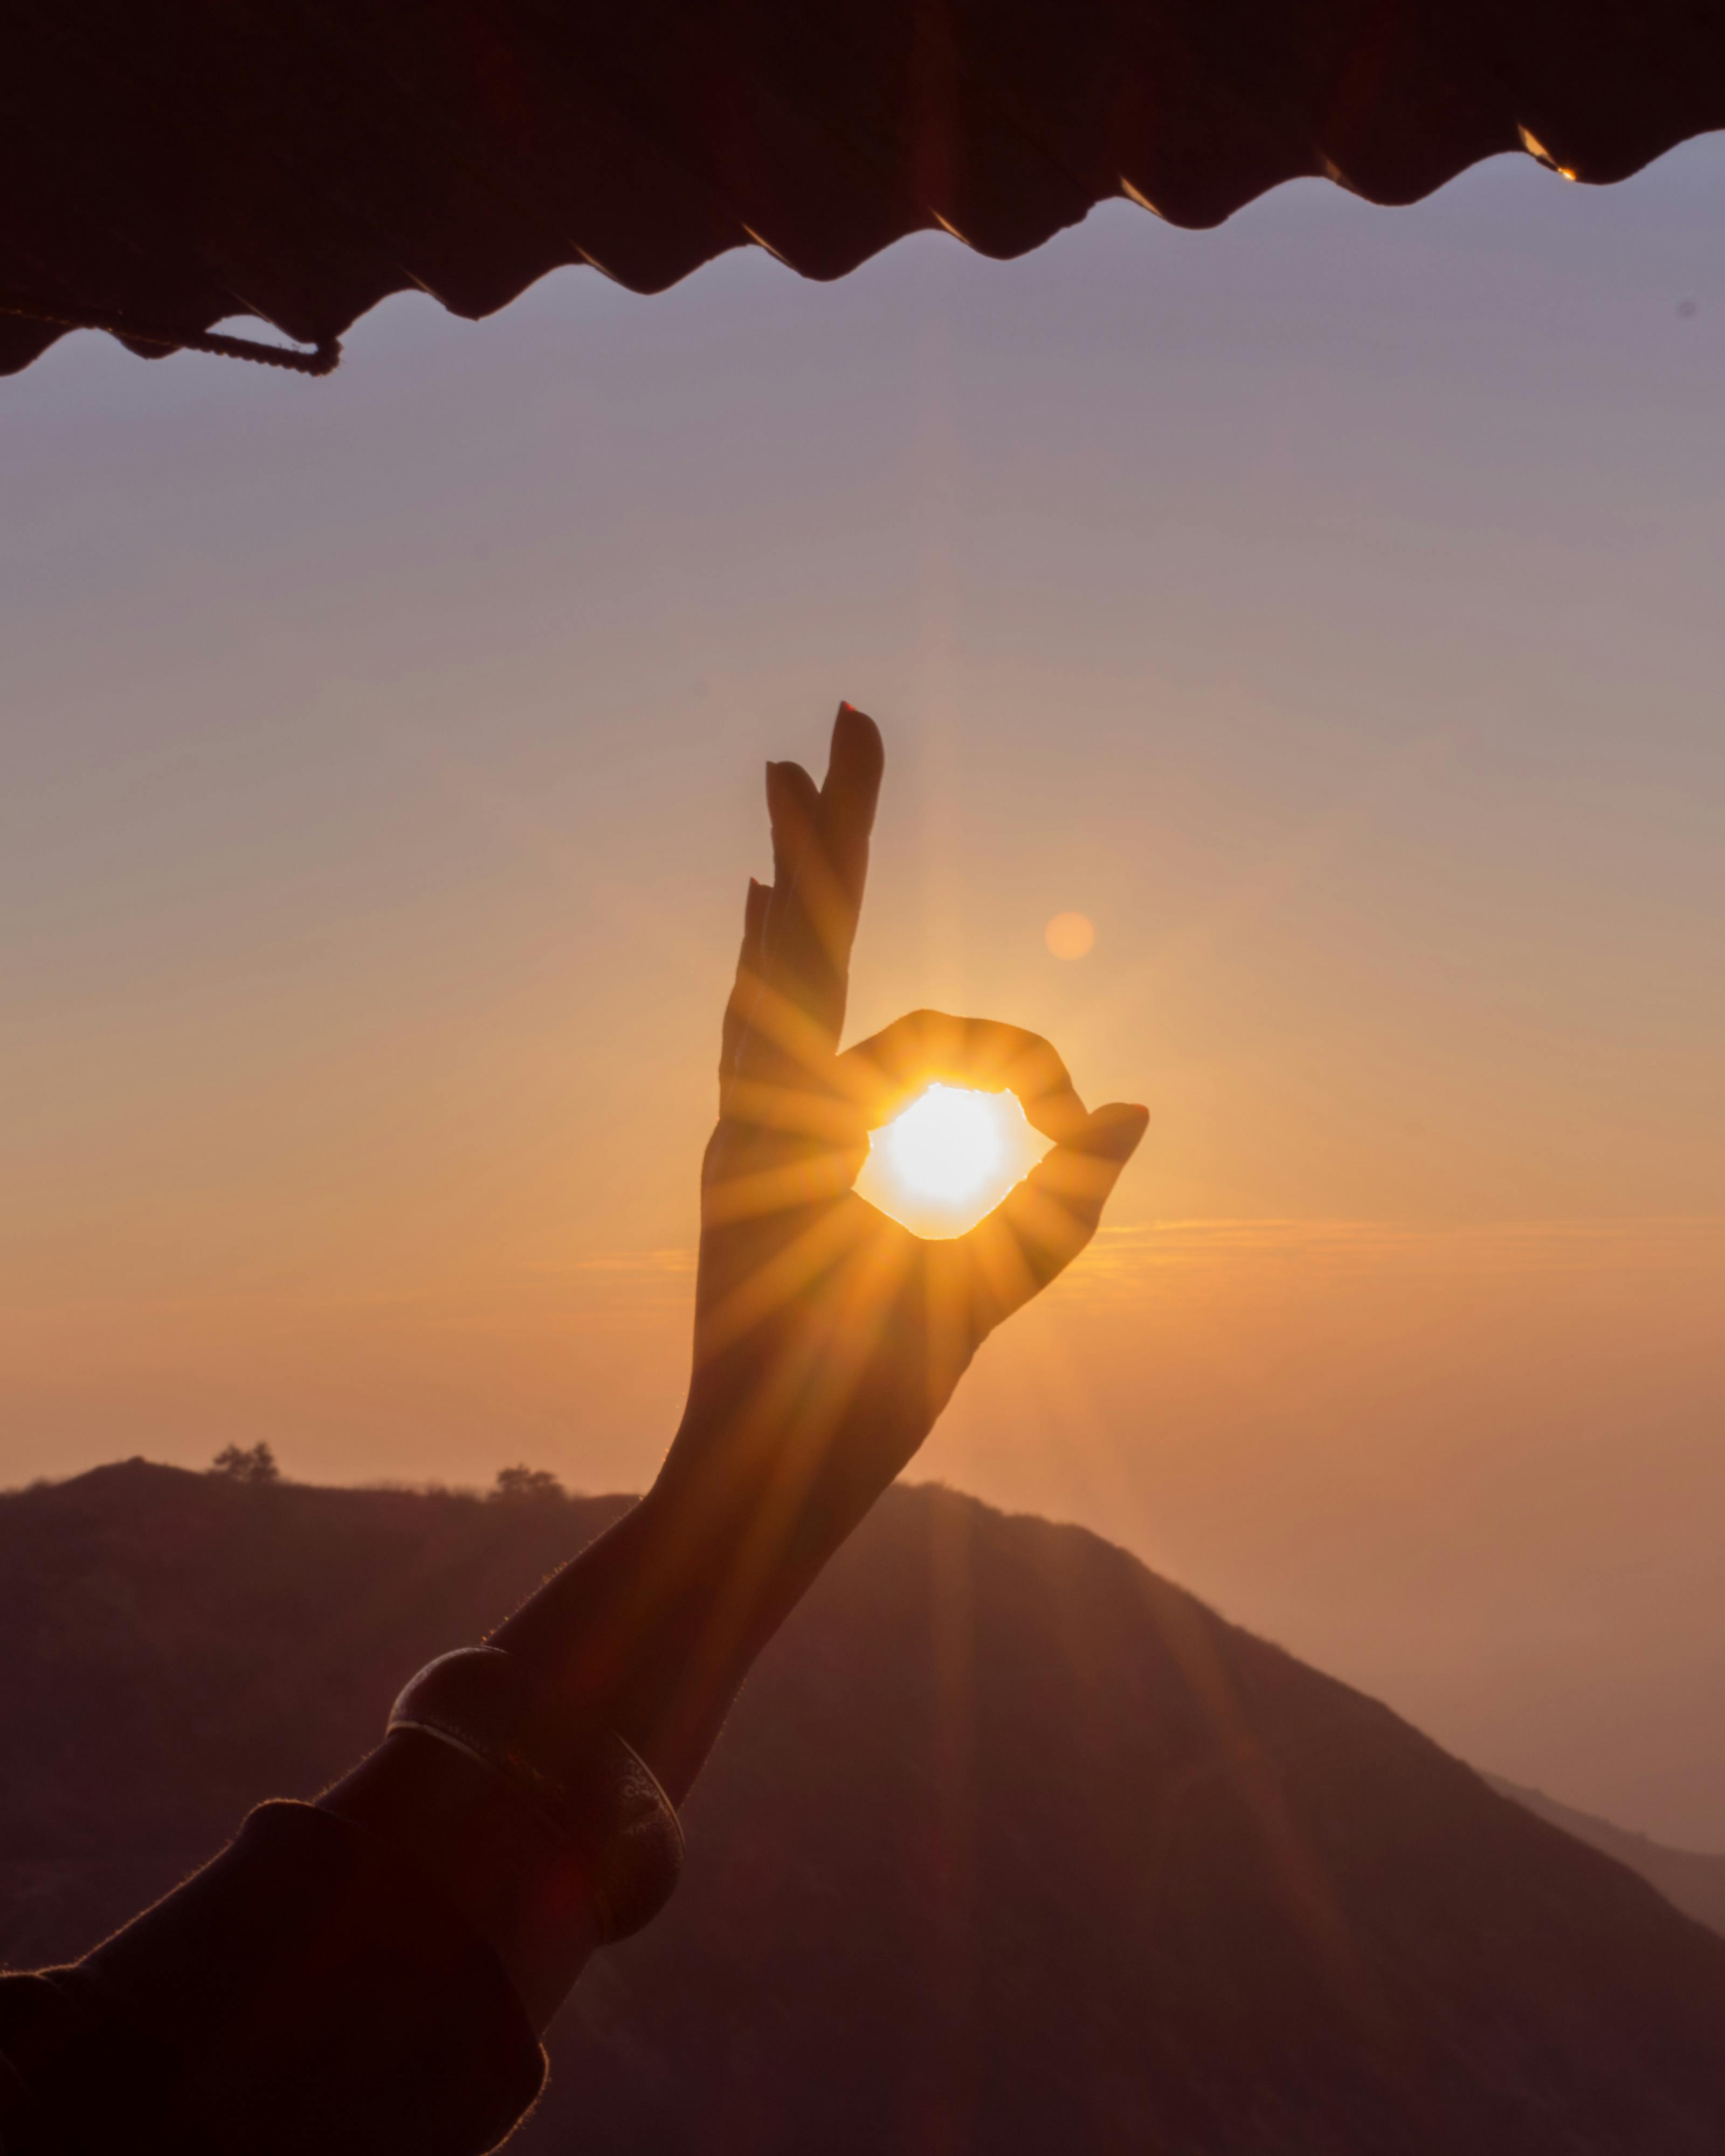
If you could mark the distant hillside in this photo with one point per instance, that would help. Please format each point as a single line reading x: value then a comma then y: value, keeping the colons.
x: 1010, y: 1848
x: 1695, y: 1883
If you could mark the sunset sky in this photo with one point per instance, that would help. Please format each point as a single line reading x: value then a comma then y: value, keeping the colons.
x: 1327, y: 607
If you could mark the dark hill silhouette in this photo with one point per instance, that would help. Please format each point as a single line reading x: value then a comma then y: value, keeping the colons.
x: 1009, y: 1847
x: 1693, y: 1881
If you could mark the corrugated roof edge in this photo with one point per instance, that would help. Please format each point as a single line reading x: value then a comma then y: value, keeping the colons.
x: 24, y: 336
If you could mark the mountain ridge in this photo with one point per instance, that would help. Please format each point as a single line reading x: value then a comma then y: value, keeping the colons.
x: 1691, y: 1880
x: 1009, y: 1845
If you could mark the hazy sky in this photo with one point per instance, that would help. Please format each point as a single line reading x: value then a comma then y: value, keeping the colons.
x: 1328, y: 607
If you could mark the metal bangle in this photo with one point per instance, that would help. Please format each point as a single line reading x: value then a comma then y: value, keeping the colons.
x: 596, y: 1792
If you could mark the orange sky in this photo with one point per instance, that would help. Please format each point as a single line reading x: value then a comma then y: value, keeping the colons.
x: 1325, y: 607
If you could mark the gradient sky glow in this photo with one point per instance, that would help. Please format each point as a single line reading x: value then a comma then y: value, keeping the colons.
x: 1328, y: 608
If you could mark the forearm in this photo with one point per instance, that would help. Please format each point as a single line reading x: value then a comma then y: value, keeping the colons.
x: 653, y: 1629
x: 648, y: 1634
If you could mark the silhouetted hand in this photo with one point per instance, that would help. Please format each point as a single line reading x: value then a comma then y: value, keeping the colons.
x: 827, y: 1337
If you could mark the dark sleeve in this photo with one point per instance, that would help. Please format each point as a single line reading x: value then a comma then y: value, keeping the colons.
x: 305, y: 1991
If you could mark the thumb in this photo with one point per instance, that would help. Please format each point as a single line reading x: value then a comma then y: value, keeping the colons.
x: 1114, y: 1133
x: 1043, y: 1224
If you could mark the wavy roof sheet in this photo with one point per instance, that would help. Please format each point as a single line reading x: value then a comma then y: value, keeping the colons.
x: 164, y: 166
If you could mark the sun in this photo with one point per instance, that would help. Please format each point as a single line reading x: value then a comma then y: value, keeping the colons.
x: 945, y: 1146
x: 950, y: 1157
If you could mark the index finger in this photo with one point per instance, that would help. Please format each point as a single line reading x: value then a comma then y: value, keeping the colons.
x: 886, y: 1072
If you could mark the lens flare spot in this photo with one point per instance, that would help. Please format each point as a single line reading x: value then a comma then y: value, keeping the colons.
x: 949, y: 1158
x: 1071, y: 935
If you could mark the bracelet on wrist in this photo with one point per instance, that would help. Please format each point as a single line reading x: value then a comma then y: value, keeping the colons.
x: 590, y: 1787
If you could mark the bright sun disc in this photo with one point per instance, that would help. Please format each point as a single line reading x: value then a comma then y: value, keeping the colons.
x: 950, y: 1157
x: 946, y: 1145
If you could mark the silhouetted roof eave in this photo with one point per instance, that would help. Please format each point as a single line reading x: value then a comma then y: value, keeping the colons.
x: 163, y: 168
